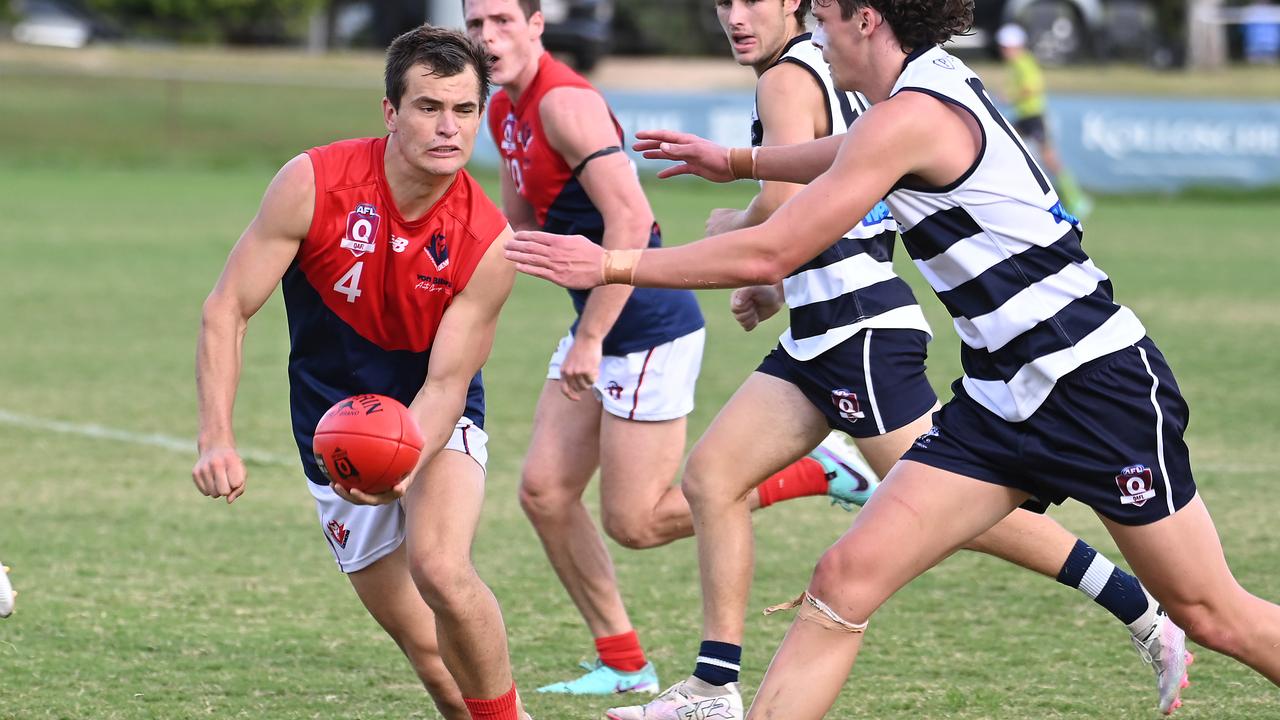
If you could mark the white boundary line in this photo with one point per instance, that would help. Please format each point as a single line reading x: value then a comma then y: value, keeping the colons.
x: 158, y: 440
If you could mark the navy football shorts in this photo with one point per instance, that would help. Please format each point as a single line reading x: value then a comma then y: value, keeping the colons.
x: 866, y: 386
x: 1109, y: 435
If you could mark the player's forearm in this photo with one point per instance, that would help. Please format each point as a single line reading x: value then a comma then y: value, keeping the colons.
x: 732, y: 260
x: 437, y: 408
x: 799, y: 163
x: 218, y: 361
x: 601, y: 311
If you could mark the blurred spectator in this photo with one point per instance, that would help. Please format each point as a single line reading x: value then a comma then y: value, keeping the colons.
x: 1261, y: 32
x: 1027, y: 96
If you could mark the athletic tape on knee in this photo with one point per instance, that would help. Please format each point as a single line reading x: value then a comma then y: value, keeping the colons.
x: 815, y: 611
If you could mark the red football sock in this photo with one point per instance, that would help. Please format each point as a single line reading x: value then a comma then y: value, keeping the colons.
x: 802, y: 478
x: 621, y: 652
x: 499, y: 708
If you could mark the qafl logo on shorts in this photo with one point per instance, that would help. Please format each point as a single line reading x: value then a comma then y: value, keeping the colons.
x: 1137, y: 485
x: 614, y: 390
x: 362, y: 229
x: 846, y: 402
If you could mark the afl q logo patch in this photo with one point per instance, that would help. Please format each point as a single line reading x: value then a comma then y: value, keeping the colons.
x: 1137, y: 485
x: 362, y: 229
x: 846, y: 402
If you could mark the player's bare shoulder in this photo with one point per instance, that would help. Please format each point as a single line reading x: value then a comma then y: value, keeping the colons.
x: 289, y: 203
x: 577, y: 121
x: 789, y: 94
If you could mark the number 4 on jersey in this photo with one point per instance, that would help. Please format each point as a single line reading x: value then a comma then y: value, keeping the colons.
x: 349, y: 284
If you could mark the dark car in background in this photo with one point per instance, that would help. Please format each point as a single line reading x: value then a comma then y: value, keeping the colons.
x: 1066, y: 31
x: 581, y: 29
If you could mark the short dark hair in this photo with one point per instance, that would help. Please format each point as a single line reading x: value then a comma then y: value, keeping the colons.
x: 916, y: 23
x: 447, y: 52
x: 528, y: 7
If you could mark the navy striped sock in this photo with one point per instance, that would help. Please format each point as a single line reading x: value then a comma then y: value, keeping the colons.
x: 1114, y: 589
x: 718, y: 662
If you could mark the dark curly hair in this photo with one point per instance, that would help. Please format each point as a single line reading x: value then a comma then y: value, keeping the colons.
x: 916, y: 23
x: 802, y: 12
x: 447, y: 52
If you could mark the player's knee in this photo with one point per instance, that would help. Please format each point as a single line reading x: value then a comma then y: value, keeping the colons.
x: 441, y: 579
x: 541, y: 498
x: 630, y: 530
x: 699, y: 483
x: 1208, y: 626
x: 846, y: 570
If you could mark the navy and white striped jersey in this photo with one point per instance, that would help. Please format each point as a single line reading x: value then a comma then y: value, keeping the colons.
x: 1004, y: 258
x: 851, y: 286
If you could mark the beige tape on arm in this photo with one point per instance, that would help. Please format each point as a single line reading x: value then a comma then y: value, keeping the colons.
x: 742, y: 162
x: 815, y: 611
x: 619, y: 266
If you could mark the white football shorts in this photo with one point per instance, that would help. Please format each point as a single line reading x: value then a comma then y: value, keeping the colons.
x: 649, y: 385
x: 360, y: 535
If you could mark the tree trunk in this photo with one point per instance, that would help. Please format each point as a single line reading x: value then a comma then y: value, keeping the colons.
x: 1206, y: 35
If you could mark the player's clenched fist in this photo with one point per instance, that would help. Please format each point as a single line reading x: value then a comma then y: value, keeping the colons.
x: 219, y: 473
x: 570, y: 261
x: 697, y: 156
x: 753, y: 305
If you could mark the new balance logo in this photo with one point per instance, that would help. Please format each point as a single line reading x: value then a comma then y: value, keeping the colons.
x: 707, y: 709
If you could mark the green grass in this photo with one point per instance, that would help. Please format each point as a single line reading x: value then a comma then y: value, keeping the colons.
x: 141, y: 599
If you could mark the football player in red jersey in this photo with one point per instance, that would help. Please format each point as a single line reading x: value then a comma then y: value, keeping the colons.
x: 393, y: 275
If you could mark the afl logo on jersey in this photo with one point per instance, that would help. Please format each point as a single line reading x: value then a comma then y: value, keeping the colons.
x: 509, y: 134
x: 362, y: 229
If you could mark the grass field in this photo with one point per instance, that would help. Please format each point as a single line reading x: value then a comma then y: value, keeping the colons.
x: 142, y: 599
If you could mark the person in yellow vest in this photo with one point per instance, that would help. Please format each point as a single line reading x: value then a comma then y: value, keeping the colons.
x: 1027, y: 98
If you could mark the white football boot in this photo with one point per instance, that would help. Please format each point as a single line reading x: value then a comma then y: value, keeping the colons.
x: 1164, y: 648
x: 7, y: 593
x: 691, y: 699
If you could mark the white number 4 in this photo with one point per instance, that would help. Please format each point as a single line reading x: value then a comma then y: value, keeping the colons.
x: 349, y: 285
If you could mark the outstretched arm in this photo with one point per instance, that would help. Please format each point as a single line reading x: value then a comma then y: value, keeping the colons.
x: 252, y: 272
x: 910, y: 134
x: 698, y: 156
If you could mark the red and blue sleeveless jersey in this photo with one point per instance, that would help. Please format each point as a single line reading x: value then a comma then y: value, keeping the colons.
x: 368, y: 289
x: 541, y: 176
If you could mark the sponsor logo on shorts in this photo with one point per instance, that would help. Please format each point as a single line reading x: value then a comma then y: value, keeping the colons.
x: 339, y: 532
x: 1137, y: 485
x: 926, y: 439
x: 846, y: 402
x: 614, y: 390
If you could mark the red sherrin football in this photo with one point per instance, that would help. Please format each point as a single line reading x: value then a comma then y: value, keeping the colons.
x: 367, y: 442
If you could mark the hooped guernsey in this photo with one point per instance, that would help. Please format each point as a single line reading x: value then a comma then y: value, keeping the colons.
x: 541, y: 176
x: 851, y: 286
x: 368, y: 289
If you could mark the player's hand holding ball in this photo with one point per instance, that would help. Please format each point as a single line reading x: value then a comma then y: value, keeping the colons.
x: 367, y: 446
x: 219, y: 472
